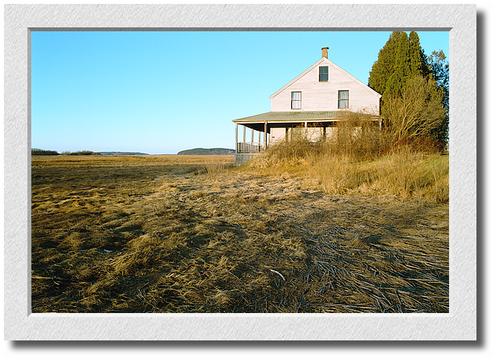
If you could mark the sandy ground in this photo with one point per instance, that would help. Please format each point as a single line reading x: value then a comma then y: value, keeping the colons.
x: 183, y: 234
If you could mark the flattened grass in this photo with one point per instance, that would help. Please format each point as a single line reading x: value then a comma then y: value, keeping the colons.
x: 141, y: 235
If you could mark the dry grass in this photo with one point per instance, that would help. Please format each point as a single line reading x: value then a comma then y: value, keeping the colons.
x: 119, y: 161
x: 185, y: 234
x: 361, y: 167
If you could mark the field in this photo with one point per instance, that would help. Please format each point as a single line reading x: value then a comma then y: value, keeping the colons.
x: 193, y: 234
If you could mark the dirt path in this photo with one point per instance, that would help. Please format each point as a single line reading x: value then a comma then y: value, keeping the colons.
x: 233, y: 242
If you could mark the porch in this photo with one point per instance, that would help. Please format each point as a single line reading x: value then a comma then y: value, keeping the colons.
x: 259, y: 131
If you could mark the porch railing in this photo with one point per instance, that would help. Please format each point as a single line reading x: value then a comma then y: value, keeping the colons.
x: 247, y: 148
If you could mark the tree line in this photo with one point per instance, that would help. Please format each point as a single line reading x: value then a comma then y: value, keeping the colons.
x: 35, y: 151
x: 415, y: 90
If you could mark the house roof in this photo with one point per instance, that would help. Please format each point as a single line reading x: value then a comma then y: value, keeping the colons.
x: 330, y: 63
x: 291, y: 82
x: 297, y: 116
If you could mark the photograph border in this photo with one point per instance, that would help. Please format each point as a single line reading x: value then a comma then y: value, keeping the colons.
x: 458, y: 324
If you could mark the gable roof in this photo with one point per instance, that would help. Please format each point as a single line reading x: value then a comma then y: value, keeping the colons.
x: 291, y: 82
x: 328, y: 62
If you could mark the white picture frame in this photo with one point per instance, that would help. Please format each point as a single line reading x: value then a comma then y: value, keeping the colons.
x: 458, y: 324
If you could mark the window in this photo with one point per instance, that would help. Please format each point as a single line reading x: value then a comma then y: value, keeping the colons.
x: 323, y: 73
x: 295, y: 99
x: 343, y: 99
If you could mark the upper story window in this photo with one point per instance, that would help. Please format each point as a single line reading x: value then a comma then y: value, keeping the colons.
x: 323, y: 73
x: 295, y: 99
x: 343, y: 99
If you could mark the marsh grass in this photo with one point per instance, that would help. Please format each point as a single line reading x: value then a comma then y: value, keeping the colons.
x: 185, y: 234
x: 360, y: 161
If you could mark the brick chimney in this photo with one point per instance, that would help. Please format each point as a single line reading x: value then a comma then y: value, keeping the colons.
x: 325, y: 52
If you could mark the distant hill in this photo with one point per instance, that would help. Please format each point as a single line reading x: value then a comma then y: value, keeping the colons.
x: 202, y: 151
x: 122, y: 153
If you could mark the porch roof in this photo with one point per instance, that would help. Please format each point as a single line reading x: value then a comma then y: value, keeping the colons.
x: 296, y: 116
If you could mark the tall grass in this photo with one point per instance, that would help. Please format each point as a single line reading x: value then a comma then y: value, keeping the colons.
x: 361, y: 161
x: 403, y: 173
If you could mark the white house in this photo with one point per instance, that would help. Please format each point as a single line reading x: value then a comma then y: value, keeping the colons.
x: 316, y: 100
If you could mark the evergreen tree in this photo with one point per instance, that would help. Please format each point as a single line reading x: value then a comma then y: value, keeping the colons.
x: 397, y: 80
x: 400, y: 67
x: 418, y: 62
x: 401, y: 57
x: 384, y: 67
x: 439, y: 68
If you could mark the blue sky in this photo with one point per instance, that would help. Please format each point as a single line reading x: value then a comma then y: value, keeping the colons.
x: 162, y: 92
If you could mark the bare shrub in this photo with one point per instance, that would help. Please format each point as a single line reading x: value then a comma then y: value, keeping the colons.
x: 358, y: 135
x: 414, y: 114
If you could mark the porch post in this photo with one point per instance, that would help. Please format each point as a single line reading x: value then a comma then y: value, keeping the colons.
x: 244, y: 134
x: 259, y: 138
x: 324, y: 132
x: 236, y: 139
x: 286, y: 130
x: 265, y: 135
x: 252, y: 135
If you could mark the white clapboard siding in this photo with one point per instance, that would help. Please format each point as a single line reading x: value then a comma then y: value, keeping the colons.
x: 323, y: 96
